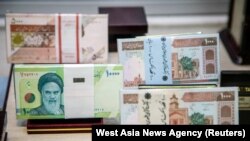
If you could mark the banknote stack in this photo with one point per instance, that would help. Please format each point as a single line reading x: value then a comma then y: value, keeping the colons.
x: 197, y: 106
x: 67, y: 91
x: 68, y: 77
x: 57, y: 38
x: 60, y: 70
x: 176, y: 81
x: 170, y: 59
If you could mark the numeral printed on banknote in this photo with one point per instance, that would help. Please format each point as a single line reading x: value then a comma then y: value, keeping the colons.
x: 180, y: 106
x: 57, y: 38
x: 176, y: 59
x: 67, y: 91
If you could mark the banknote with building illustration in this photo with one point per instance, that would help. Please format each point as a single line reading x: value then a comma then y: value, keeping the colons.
x: 57, y: 38
x: 67, y: 90
x: 131, y: 56
x: 175, y: 59
x: 180, y: 106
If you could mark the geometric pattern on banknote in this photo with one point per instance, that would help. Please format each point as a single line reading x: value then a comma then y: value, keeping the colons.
x: 209, y: 60
x: 32, y: 35
x: 195, y: 42
x: 137, y: 45
x: 130, y: 98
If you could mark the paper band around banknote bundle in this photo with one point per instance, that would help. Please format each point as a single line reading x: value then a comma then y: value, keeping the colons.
x: 57, y: 38
x: 67, y: 91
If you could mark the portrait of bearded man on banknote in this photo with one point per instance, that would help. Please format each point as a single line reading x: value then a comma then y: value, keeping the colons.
x: 50, y: 86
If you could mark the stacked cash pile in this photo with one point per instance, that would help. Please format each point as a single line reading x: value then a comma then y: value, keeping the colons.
x: 81, y: 89
x: 174, y: 78
x: 57, y: 38
x: 67, y: 90
x: 62, y: 81
x: 204, y: 106
x: 172, y: 59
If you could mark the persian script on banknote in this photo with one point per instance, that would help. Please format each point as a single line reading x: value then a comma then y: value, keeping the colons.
x: 67, y: 91
x: 176, y: 59
x: 57, y: 38
x: 180, y: 106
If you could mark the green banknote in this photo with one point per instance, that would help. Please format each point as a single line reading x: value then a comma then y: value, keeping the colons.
x: 67, y: 90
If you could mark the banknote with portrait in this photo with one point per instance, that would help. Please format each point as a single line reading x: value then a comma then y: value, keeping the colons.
x: 67, y: 90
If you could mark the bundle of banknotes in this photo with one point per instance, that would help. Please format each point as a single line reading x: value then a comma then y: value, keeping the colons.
x: 193, y: 106
x: 57, y: 38
x: 67, y: 90
x: 171, y: 59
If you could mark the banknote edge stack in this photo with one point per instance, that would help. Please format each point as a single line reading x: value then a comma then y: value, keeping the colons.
x: 139, y: 80
x: 96, y: 55
x: 27, y: 39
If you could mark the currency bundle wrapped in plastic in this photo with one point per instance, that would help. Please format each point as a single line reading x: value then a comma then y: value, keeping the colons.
x: 193, y: 106
x: 57, y: 38
x: 67, y: 90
